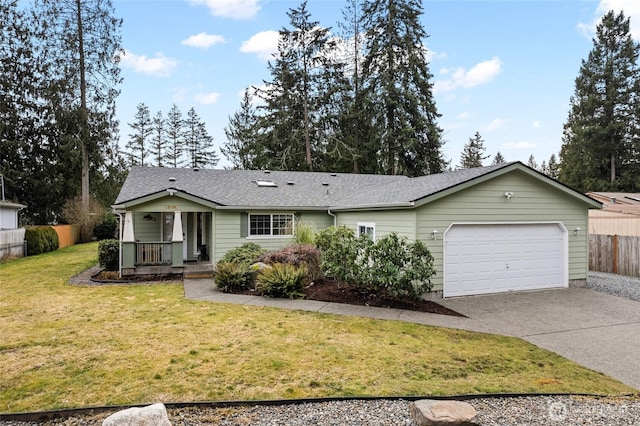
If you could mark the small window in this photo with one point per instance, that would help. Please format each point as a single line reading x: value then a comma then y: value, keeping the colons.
x: 368, y: 229
x: 270, y: 225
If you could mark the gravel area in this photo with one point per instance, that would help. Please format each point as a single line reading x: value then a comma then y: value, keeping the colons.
x: 617, y: 285
x: 536, y: 410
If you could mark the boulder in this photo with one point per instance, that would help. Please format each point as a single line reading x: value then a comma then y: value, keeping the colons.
x: 429, y: 412
x: 152, y: 415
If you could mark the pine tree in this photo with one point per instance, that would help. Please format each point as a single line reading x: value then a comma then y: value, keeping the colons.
x: 199, y: 145
x: 398, y: 88
x: 552, y: 167
x: 295, y: 121
x: 175, y: 137
x: 473, y: 153
x: 241, y: 147
x: 531, y: 162
x: 158, y: 148
x: 498, y: 159
x: 600, y: 147
x: 81, y: 42
x: 139, y: 139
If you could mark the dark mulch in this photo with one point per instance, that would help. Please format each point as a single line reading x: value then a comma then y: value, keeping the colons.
x: 112, y: 277
x: 334, y: 291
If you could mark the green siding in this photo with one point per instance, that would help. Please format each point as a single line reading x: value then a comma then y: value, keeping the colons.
x: 533, y: 201
x: 170, y: 204
x: 317, y: 220
x: 147, y: 230
x: 402, y: 222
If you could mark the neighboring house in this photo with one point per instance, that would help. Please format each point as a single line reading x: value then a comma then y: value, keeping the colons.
x: 11, y: 235
x: 490, y: 229
x: 620, y: 214
x: 9, y: 214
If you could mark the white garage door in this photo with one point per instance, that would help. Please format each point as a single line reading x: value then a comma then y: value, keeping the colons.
x: 480, y: 259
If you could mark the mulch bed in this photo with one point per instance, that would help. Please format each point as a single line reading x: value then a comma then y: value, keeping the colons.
x: 333, y: 291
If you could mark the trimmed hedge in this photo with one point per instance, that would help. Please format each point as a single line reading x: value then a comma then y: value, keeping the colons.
x: 41, y: 239
x: 109, y: 254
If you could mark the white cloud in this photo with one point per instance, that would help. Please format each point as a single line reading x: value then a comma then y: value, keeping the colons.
x: 158, y: 66
x: 431, y: 55
x: 203, y: 40
x: 518, y: 145
x: 207, y: 98
x: 463, y: 115
x: 480, y: 74
x: 631, y: 10
x: 536, y: 124
x: 495, y: 124
x: 264, y: 44
x: 234, y: 9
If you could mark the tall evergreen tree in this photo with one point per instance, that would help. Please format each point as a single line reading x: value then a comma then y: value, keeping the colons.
x: 242, y: 147
x: 552, y: 167
x: 498, y: 159
x: 531, y: 162
x: 199, y: 145
x: 139, y: 140
x: 83, y: 43
x: 473, y: 153
x: 158, y: 140
x: 175, y: 137
x: 600, y: 144
x: 293, y: 126
x: 396, y: 81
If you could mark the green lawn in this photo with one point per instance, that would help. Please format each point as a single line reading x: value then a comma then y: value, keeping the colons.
x: 71, y: 346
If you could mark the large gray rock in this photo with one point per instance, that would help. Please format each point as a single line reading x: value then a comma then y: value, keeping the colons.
x: 429, y: 412
x: 152, y: 415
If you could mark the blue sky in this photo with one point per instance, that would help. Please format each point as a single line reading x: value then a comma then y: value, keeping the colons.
x: 503, y: 68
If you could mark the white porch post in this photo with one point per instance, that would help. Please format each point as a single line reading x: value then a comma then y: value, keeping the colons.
x: 128, y: 242
x: 177, y: 240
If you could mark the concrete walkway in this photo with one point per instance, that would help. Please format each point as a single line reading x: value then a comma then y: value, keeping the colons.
x: 594, y: 329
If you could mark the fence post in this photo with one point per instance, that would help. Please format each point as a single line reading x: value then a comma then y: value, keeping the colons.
x: 615, y: 254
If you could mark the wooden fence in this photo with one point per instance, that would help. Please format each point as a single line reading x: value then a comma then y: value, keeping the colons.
x: 615, y: 254
x: 68, y: 235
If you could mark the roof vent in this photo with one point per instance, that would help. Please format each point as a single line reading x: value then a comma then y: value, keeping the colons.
x: 196, y: 169
x: 613, y: 200
x: 267, y: 171
x: 325, y: 183
x: 289, y: 183
x: 334, y: 174
x: 172, y: 179
x: 266, y: 183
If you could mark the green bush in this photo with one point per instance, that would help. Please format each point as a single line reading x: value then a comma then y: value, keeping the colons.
x: 41, y: 239
x: 399, y: 267
x: 109, y: 254
x: 108, y: 228
x: 299, y: 255
x: 304, y: 233
x: 341, y: 252
x: 230, y: 276
x: 245, y: 255
x: 281, y: 280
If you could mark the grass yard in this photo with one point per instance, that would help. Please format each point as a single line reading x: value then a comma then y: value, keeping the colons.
x: 72, y: 346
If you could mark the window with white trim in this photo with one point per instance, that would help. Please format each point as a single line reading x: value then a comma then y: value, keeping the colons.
x: 270, y: 225
x: 368, y: 229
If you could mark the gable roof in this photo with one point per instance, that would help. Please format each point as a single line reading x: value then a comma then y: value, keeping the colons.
x: 244, y: 189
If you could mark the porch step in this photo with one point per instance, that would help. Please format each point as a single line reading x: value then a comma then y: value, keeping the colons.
x: 196, y: 275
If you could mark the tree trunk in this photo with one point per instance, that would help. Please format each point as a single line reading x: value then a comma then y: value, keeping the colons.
x: 83, y: 111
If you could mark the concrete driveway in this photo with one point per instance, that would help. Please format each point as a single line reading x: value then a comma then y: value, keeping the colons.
x: 594, y: 329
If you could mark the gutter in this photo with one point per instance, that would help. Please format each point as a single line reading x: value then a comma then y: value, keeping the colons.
x: 380, y: 206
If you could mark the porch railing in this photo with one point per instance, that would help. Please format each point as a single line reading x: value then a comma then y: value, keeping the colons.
x: 153, y: 253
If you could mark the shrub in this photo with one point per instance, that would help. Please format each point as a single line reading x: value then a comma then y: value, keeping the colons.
x: 298, y: 255
x: 109, y: 254
x: 304, y: 233
x: 398, y: 267
x: 281, y: 280
x: 230, y: 276
x: 75, y: 213
x: 107, y: 229
x: 341, y: 252
x: 245, y: 255
x: 41, y: 239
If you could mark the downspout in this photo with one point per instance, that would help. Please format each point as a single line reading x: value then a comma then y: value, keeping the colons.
x: 335, y: 218
x: 120, y: 243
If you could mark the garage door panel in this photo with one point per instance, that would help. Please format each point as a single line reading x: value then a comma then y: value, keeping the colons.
x: 483, y: 259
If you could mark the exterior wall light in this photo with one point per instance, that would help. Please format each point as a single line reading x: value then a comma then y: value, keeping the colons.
x: 434, y: 235
x: 508, y: 195
x: 576, y: 231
